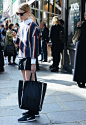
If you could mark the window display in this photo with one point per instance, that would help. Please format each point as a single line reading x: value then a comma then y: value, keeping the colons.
x: 73, y: 18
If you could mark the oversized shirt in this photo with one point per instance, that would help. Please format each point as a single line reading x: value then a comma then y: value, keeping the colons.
x: 28, y: 39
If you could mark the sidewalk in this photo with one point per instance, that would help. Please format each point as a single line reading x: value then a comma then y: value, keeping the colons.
x: 64, y: 104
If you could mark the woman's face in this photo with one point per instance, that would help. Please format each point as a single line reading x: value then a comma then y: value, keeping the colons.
x: 23, y: 14
x: 12, y: 27
x: 85, y: 15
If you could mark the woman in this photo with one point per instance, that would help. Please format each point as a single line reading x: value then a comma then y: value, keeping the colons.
x: 28, y: 50
x: 80, y: 56
x: 57, y: 45
x: 7, y: 22
x: 9, y: 41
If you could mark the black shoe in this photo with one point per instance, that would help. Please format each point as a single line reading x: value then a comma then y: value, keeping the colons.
x: 14, y: 63
x: 9, y: 63
x: 51, y: 66
x: 41, y: 60
x: 37, y: 114
x: 25, y: 113
x: 31, y: 118
x: 23, y: 119
x: 54, y: 70
x: 28, y: 112
x: 26, y: 118
x: 44, y: 60
x: 81, y: 85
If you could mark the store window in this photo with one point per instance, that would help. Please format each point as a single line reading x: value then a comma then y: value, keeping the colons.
x: 44, y: 10
x: 73, y: 18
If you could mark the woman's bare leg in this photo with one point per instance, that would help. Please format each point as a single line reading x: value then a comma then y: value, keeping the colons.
x: 23, y: 74
x: 28, y: 74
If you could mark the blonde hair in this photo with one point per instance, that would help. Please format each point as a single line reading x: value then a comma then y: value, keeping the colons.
x: 33, y: 18
x: 7, y: 23
x: 55, y: 20
x: 25, y: 7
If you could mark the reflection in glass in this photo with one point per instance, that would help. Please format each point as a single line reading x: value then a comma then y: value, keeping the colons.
x: 73, y: 18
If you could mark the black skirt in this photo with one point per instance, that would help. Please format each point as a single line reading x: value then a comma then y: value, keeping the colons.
x: 25, y: 64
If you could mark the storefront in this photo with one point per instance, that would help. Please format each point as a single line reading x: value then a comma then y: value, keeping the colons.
x: 71, y: 11
x: 74, y: 12
x: 44, y: 10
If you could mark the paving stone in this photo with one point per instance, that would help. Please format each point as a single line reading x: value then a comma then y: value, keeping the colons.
x: 62, y: 103
x: 4, y: 76
x: 67, y: 116
x: 83, y: 122
x: 8, y: 85
x: 42, y: 120
x: 75, y: 105
x: 10, y: 111
x: 51, y: 108
x: 54, y: 92
x: 3, y: 96
x: 4, y: 82
x: 70, y: 98
x: 8, y: 90
x: 12, y: 120
x: 79, y: 91
x: 49, y: 99
x: 69, y: 124
x: 8, y: 102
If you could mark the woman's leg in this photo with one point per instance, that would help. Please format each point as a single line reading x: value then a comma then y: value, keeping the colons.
x: 14, y: 57
x: 28, y: 74
x: 23, y: 74
x: 9, y: 59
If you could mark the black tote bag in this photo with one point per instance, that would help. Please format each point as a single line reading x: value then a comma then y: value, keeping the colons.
x: 31, y: 95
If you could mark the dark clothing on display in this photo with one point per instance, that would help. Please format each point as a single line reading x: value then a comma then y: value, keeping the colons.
x: 80, y: 57
x: 57, y: 45
x: 45, y: 40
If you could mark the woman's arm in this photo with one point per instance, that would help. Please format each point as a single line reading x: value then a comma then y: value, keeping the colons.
x: 34, y: 34
x: 34, y: 40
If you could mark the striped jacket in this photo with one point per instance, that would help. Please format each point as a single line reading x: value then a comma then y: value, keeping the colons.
x: 28, y: 39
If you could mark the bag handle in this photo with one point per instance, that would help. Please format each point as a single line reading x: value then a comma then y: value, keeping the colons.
x: 35, y: 77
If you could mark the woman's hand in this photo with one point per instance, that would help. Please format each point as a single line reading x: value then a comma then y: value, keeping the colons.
x: 33, y: 68
x: 79, y: 24
x: 16, y: 45
x: 14, y: 34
